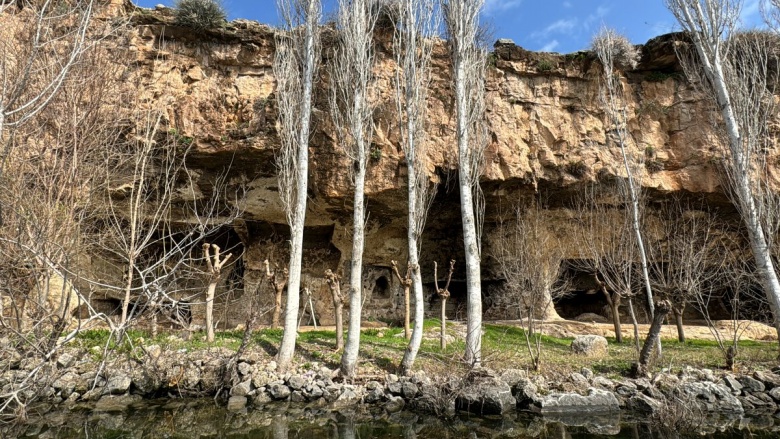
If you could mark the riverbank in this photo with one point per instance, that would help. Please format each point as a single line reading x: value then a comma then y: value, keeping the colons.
x: 684, y: 388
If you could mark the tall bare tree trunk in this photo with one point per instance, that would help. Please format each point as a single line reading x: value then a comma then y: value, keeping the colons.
x: 295, y: 66
x: 352, y: 83
x: 468, y: 64
x: 416, y: 26
x: 351, y: 349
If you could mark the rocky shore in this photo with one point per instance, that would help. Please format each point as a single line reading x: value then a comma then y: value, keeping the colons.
x: 77, y: 378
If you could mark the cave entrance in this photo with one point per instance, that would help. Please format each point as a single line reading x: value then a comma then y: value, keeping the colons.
x: 382, y: 287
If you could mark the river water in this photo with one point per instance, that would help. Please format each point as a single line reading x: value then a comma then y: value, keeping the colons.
x: 195, y: 419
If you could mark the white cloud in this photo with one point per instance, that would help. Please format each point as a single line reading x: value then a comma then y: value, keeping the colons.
x: 562, y: 26
x: 567, y: 5
x: 550, y: 46
x: 493, y: 6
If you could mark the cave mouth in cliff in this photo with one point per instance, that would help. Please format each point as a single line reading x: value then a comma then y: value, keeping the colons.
x: 382, y: 287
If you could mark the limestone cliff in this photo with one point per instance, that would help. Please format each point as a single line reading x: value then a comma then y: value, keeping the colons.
x: 546, y: 122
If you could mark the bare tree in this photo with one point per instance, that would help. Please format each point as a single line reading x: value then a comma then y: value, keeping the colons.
x: 444, y: 294
x: 770, y: 12
x: 334, y: 283
x: 352, y: 82
x: 607, y: 248
x: 639, y: 369
x: 215, y: 274
x: 296, y: 63
x: 614, y: 52
x: 38, y: 50
x: 406, y: 283
x: 416, y: 25
x: 684, y: 261
x: 731, y: 285
x: 468, y: 70
x: 278, y: 282
x: 530, y: 260
x: 735, y: 74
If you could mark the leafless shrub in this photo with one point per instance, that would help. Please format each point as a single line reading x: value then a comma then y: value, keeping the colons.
x: 615, y: 48
x: 200, y: 14
x: 530, y: 259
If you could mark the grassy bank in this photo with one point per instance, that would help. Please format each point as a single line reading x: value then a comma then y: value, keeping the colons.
x: 503, y: 347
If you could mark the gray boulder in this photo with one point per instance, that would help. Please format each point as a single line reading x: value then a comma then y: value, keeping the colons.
x: 236, y: 403
x: 526, y: 393
x: 589, y: 345
x: 296, y: 382
x: 751, y: 384
x: 710, y: 397
x: 733, y: 384
x: 242, y: 388
x: 487, y: 396
x: 641, y: 403
x: 118, y: 384
x: 279, y: 391
x: 394, y: 404
x: 770, y: 379
x: 596, y: 401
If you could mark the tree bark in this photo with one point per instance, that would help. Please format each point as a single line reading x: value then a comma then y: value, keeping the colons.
x: 407, y: 314
x: 443, y: 334
x: 653, y: 338
x: 334, y: 282
x: 678, y: 319
x: 210, y: 311
x: 277, y: 308
x: 350, y: 356
x: 287, y: 347
x: 614, y: 306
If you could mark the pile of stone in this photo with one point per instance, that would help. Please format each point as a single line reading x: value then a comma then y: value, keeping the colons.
x: 74, y: 378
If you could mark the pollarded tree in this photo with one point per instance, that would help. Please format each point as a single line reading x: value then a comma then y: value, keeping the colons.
x: 684, y: 260
x: 734, y: 71
x: 214, y: 264
x: 296, y: 64
x: 351, y: 86
x: 468, y: 61
x: 530, y: 259
x: 416, y: 26
x: 608, y: 250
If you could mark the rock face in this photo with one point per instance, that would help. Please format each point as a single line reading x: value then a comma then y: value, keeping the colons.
x: 486, y: 397
x: 548, y: 134
x: 596, y: 401
x: 589, y: 345
x: 711, y: 397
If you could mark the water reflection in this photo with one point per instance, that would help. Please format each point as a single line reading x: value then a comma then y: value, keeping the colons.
x: 196, y: 419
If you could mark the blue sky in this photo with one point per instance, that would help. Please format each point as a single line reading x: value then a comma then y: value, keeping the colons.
x: 541, y: 25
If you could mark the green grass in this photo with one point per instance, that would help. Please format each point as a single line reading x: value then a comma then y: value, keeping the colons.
x: 503, y: 347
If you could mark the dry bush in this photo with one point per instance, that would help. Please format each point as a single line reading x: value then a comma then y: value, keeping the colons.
x: 200, y: 14
x: 623, y: 54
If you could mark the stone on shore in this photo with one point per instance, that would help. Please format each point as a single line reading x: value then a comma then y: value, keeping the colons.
x: 589, y: 345
x: 596, y: 401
